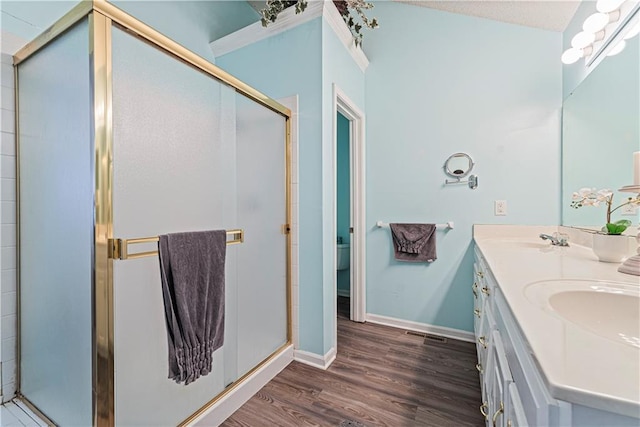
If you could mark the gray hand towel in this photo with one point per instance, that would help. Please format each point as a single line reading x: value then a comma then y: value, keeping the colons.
x: 414, y: 242
x: 192, y: 272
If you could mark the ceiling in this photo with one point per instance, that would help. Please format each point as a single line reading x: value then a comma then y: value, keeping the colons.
x: 553, y: 15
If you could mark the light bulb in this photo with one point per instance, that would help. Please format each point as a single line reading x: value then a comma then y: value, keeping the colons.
x: 571, y: 55
x: 633, y: 31
x: 617, y: 48
x: 595, y: 22
x: 606, y: 6
x: 582, y: 39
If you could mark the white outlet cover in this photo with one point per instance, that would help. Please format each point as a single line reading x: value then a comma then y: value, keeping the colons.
x: 500, y: 207
x: 629, y: 210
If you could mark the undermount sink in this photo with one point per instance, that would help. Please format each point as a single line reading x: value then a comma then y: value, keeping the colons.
x: 608, y: 309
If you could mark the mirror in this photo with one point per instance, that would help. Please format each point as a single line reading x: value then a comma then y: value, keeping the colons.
x: 458, y: 165
x: 600, y: 132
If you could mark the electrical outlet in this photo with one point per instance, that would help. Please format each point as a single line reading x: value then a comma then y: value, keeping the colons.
x: 629, y: 210
x: 500, y: 207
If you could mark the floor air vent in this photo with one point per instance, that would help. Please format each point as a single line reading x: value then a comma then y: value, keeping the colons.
x: 416, y: 334
x: 429, y: 337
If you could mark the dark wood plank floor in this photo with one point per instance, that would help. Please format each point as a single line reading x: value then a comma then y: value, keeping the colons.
x: 381, y: 377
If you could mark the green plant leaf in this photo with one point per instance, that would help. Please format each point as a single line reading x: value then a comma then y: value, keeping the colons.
x: 617, y: 227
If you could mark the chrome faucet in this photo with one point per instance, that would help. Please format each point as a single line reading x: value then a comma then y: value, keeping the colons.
x: 554, y: 240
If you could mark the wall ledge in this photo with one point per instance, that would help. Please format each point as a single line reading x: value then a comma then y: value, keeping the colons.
x: 288, y: 20
x: 442, y: 331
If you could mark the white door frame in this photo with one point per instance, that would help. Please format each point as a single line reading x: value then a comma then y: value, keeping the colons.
x: 342, y: 104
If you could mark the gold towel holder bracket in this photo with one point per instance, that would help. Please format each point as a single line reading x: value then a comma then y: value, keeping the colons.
x: 119, y: 248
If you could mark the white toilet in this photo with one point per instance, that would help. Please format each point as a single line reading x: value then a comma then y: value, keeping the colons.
x: 343, y: 256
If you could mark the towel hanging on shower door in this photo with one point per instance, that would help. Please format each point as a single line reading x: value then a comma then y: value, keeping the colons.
x: 193, y: 282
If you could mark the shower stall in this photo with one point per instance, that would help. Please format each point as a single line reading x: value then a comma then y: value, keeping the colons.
x: 124, y: 135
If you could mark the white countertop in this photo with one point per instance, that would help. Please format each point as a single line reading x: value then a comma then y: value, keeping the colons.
x: 578, y: 366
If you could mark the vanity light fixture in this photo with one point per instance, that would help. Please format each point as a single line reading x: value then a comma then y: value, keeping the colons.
x: 582, y: 40
x: 633, y: 31
x: 606, y: 6
x: 600, y: 28
x: 596, y: 22
x: 572, y: 55
x: 619, y: 47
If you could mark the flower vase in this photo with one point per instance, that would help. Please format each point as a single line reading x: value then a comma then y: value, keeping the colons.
x: 610, y: 247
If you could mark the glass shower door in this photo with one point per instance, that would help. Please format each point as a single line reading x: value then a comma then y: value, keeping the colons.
x: 189, y: 155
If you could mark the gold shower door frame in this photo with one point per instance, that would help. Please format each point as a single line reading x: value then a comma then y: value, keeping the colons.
x: 102, y: 16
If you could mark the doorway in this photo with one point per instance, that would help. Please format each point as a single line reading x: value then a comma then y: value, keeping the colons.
x: 343, y: 214
x: 349, y: 211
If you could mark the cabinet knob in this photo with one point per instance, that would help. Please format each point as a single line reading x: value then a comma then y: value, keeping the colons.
x: 483, y: 410
x: 498, y: 412
x: 482, y: 341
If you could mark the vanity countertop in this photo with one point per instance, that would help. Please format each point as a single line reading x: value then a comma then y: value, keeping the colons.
x: 578, y: 366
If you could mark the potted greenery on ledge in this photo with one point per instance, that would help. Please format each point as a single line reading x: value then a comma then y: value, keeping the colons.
x: 347, y: 9
x: 608, y: 244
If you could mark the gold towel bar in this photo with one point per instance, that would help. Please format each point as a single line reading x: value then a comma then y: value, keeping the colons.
x: 119, y: 248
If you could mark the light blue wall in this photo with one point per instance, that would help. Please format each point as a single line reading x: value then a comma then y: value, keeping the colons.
x: 193, y: 24
x: 439, y: 83
x: 339, y: 69
x: 342, y: 193
x: 27, y: 19
x: 287, y: 64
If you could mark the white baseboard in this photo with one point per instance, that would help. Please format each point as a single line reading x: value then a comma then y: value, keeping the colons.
x: 230, y: 403
x: 421, y: 327
x: 315, y: 360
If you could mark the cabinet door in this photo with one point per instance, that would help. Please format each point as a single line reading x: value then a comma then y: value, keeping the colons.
x: 499, y: 386
x: 477, y: 301
x: 483, y: 337
x: 515, y: 416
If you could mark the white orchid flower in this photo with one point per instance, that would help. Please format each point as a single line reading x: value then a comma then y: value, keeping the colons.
x: 604, y: 195
x: 585, y: 192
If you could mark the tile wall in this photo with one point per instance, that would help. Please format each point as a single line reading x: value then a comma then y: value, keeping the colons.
x: 8, y: 317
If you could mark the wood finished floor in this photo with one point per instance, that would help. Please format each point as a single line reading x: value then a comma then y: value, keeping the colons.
x: 381, y: 377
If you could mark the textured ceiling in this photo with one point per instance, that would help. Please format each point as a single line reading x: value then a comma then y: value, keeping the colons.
x: 551, y: 15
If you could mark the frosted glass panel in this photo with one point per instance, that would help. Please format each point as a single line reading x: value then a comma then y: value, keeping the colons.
x: 262, y: 308
x: 190, y: 154
x: 56, y: 228
x: 173, y: 171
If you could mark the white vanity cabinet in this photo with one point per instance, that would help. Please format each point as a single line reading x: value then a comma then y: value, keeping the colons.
x: 513, y: 393
x: 537, y: 367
